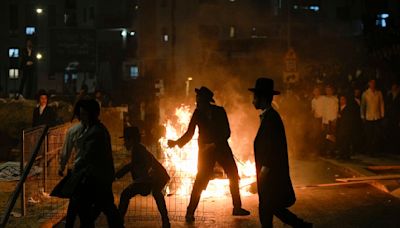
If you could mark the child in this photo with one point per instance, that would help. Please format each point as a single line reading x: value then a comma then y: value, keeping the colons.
x: 147, y: 173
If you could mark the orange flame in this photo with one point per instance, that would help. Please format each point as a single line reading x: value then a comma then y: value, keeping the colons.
x: 182, y: 162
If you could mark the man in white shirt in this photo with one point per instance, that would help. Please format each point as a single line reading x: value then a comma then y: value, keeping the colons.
x: 329, y: 116
x: 317, y: 108
x: 372, y: 112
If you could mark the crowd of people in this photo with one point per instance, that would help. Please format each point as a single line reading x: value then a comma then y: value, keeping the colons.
x: 339, y: 120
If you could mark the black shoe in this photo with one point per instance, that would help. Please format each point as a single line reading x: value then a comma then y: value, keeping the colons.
x: 189, y: 218
x: 240, y: 212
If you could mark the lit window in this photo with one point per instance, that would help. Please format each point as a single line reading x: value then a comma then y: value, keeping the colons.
x: 314, y: 8
x: 30, y: 30
x: 133, y: 71
x: 232, y: 32
x: 165, y: 38
x: 13, y: 73
x: 13, y: 52
x: 381, y: 20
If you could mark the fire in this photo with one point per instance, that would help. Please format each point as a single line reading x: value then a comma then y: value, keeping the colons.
x: 182, y: 162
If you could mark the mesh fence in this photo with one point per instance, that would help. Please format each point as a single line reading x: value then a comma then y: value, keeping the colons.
x: 37, y: 202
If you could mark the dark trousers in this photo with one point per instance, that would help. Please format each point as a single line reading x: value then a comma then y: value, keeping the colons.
x: 373, y: 134
x: 73, y: 210
x: 143, y: 189
x: 207, y: 159
x: 93, y: 194
x: 27, y: 81
x: 267, y: 212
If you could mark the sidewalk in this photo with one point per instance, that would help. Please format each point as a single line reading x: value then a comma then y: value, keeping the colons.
x: 363, y: 166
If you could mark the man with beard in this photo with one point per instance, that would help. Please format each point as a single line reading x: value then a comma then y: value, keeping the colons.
x: 214, y: 132
x: 274, y: 185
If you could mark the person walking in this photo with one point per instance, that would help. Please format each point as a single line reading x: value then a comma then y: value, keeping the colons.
x: 214, y: 131
x: 274, y: 185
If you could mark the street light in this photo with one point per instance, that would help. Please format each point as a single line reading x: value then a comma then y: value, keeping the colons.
x: 39, y: 10
x: 39, y: 56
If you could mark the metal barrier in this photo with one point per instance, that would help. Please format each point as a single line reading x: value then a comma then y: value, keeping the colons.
x: 35, y: 199
x: 25, y: 172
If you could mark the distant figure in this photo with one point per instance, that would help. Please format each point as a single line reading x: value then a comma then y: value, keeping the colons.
x: 102, y: 99
x: 95, y: 167
x: 43, y: 114
x: 214, y: 132
x: 329, y: 117
x: 392, y: 118
x: 372, y: 113
x: 28, y: 67
x: 83, y: 93
x: 317, y: 109
x: 275, y: 188
x: 148, y: 175
x: 344, y: 129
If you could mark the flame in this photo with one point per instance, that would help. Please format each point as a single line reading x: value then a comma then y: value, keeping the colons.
x: 182, y: 162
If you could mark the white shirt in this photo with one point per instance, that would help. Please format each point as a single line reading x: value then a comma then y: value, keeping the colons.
x: 69, y: 143
x: 372, y: 105
x: 317, y: 106
x: 330, y: 109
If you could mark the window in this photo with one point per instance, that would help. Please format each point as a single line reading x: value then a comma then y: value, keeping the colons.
x: 13, y: 52
x: 30, y: 30
x: 381, y: 20
x: 232, y: 31
x: 165, y: 38
x: 13, y: 73
x: 133, y: 71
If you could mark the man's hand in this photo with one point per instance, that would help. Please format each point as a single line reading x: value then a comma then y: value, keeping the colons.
x: 29, y: 63
x: 172, y: 143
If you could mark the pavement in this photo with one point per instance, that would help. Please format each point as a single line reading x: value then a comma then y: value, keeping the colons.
x: 358, y: 165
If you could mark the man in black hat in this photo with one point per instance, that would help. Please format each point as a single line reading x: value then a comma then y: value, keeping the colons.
x: 148, y: 175
x: 214, y: 132
x: 275, y: 188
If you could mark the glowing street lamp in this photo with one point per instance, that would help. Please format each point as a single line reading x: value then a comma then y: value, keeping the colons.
x: 39, y: 56
x: 39, y: 10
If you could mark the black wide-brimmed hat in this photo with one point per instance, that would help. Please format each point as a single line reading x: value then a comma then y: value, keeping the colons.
x: 206, y: 93
x: 264, y: 86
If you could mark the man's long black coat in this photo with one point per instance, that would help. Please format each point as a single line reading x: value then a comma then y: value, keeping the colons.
x: 270, y: 150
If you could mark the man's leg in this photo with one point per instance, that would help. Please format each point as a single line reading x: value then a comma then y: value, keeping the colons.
x: 126, y: 195
x: 228, y: 164
x: 162, y: 207
x: 288, y: 217
x: 105, y: 202
x: 21, y: 85
x: 265, y: 214
x: 199, y: 185
x: 72, y: 212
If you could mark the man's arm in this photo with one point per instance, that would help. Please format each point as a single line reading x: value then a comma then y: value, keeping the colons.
x: 382, y: 105
x: 188, y: 134
x: 363, y: 106
x: 124, y: 170
x: 226, y: 129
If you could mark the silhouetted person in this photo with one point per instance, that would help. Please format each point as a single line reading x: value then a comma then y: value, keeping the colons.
x: 275, y: 188
x: 43, y: 114
x: 392, y: 118
x: 344, y: 129
x: 28, y: 67
x: 96, y: 164
x: 148, y: 175
x: 214, y: 132
x: 70, y: 145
